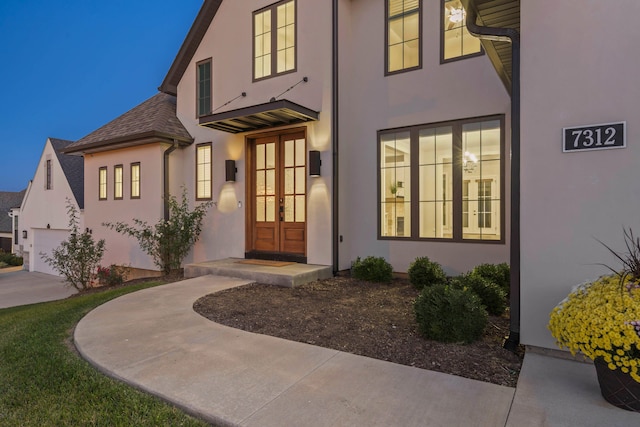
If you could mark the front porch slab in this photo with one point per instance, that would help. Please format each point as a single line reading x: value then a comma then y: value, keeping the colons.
x: 287, y: 275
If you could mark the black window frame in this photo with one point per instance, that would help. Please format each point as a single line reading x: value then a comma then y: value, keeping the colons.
x: 106, y: 182
x: 457, y: 233
x: 48, y: 183
x: 442, y: 31
x: 210, y: 145
x: 387, y: 20
x: 131, y: 181
x: 204, y: 102
x: 274, y: 41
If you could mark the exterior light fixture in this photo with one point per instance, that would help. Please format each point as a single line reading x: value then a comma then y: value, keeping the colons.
x: 456, y: 15
x: 230, y: 170
x: 24, y: 234
x: 314, y: 163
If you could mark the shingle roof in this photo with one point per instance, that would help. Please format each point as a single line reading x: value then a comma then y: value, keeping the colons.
x: 153, y: 120
x: 73, y: 168
x: 189, y: 46
x: 8, y: 200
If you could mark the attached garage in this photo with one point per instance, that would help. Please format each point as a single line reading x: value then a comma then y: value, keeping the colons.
x: 45, y: 241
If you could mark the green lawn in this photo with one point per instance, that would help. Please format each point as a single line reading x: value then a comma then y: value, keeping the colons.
x: 43, y: 382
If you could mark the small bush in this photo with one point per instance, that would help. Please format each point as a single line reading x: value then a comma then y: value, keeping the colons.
x: 448, y: 314
x: 372, y: 269
x: 111, y: 276
x: 493, y: 297
x: 3, y: 264
x: 497, y: 273
x: 10, y: 259
x: 424, y: 272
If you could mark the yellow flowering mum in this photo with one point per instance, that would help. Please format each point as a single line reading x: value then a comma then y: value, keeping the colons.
x: 601, y: 319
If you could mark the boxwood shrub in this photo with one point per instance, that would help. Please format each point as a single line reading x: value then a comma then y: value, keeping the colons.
x: 493, y: 297
x: 449, y: 314
x: 497, y: 273
x: 10, y: 259
x: 372, y: 269
x: 424, y: 272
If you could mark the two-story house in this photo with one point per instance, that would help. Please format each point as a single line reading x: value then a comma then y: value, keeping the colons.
x: 327, y: 130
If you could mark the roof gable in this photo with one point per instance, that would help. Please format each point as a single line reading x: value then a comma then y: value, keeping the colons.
x: 72, y: 167
x: 189, y: 46
x: 152, y: 121
x: 8, y: 200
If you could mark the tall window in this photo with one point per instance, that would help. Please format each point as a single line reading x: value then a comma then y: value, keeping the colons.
x: 47, y: 183
x: 443, y: 181
x: 102, y: 183
x: 203, y: 77
x: 404, y: 44
x: 457, y: 42
x: 135, y: 180
x: 203, y: 171
x: 117, y: 182
x: 274, y: 54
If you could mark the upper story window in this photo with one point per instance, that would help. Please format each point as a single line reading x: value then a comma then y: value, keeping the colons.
x: 48, y: 176
x: 203, y: 171
x: 203, y: 96
x: 403, y: 35
x: 102, y: 183
x: 135, y: 180
x: 443, y: 181
x: 117, y: 182
x: 274, y: 40
x: 457, y: 42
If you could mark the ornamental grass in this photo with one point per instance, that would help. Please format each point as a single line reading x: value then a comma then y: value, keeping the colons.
x: 601, y: 319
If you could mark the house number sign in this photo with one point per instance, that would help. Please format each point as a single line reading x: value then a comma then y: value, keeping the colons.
x: 594, y: 137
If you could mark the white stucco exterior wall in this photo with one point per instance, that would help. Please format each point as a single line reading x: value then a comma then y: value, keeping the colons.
x: 121, y: 249
x: 44, y: 209
x: 579, y: 67
x: 229, y: 43
x: 371, y: 101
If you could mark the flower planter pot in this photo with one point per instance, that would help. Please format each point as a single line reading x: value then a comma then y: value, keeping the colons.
x: 618, y: 388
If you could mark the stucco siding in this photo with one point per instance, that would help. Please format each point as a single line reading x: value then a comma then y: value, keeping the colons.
x: 577, y: 71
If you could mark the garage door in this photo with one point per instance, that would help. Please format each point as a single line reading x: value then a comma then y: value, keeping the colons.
x: 45, y: 241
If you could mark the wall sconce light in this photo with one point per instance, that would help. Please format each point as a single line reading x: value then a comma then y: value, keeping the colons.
x: 24, y: 234
x: 230, y: 170
x: 48, y: 226
x: 88, y: 230
x: 314, y: 163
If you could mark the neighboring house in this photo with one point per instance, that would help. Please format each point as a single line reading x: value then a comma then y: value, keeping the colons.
x: 8, y: 201
x: 329, y: 130
x: 43, y: 217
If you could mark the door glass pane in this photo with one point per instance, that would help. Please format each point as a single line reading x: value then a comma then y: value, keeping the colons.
x: 288, y: 153
x: 260, y: 207
x: 289, y: 208
x: 271, y: 182
x: 288, y: 181
x: 271, y: 209
x: 260, y: 183
x: 260, y: 156
x: 300, y: 208
x: 300, y: 181
x: 301, y: 152
x: 271, y: 155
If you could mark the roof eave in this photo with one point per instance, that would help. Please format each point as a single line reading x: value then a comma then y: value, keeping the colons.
x: 189, y: 46
x: 128, y: 141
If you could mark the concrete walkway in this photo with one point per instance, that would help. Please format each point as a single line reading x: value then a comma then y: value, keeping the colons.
x: 153, y: 340
x: 19, y: 287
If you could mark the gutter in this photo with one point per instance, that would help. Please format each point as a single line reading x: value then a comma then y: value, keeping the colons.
x: 334, y: 140
x: 513, y: 36
x: 165, y: 174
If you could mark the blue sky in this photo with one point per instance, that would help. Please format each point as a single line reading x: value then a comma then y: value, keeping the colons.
x: 69, y: 67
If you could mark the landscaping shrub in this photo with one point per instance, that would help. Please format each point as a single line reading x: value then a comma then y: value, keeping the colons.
x: 111, y: 276
x: 424, y: 272
x: 10, y: 259
x: 372, y: 269
x: 3, y: 264
x: 448, y: 314
x: 493, y: 297
x: 497, y: 273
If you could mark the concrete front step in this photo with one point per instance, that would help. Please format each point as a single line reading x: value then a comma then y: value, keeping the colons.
x: 288, y: 275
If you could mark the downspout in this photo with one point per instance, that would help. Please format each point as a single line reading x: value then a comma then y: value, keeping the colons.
x: 513, y: 36
x: 334, y: 139
x: 165, y: 173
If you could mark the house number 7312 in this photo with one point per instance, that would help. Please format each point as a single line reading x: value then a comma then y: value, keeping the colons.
x: 594, y: 137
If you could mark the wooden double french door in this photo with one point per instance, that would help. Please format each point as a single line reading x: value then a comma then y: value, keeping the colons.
x: 277, y: 186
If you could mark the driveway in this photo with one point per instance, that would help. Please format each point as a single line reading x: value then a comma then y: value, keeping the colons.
x: 22, y: 288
